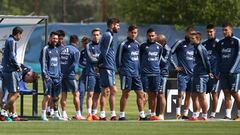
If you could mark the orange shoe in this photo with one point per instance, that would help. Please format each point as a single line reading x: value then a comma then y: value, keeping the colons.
x: 154, y: 117
x: 89, y: 117
x: 95, y: 117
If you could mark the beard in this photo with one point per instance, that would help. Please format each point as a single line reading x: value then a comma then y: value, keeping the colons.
x: 115, y: 30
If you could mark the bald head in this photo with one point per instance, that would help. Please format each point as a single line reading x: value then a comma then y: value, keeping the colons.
x: 161, y: 39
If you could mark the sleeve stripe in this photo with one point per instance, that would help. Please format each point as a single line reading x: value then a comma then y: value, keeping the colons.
x: 90, y: 54
x: 44, y: 60
x: 110, y: 41
x: 238, y: 57
x: 120, y: 53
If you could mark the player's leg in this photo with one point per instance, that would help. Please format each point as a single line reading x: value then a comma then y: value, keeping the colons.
x: 82, y: 88
x: 96, y: 95
x: 235, y: 81
x: 63, y: 100
x: 76, y: 101
x: 90, y: 85
x: 125, y: 85
x: 162, y: 98
x: 182, y: 86
x: 154, y: 83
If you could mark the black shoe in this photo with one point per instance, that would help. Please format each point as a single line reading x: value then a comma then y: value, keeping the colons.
x: 185, y: 117
x: 227, y: 118
x: 122, y: 118
x: 145, y: 118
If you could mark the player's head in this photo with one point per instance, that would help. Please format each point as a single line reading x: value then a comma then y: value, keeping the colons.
x: 211, y: 31
x: 132, y: 32
x: 61, y: 35
x: 227, y: 29
x: 113, y: 24
x: 161, y: 39
x: 74, y: 39
x: 96, y: 35
x: 151, y: 35
x: 53, y: 39
x: 195, y: 37
x: 188, y: 30
x: 30, y: 77
x: 85, y: 41
x: 17, y: 33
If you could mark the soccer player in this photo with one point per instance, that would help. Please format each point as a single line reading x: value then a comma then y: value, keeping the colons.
x: 164, y: 66
x: 82, y: 79
x: 51, y: 75
x: 92, y: 72
x: 11, y: 74
x: 60, y: 46
x: 213, y: 84
x: 229, y: 67
x: 69, y: 60
x: 129, y: 65
x: 182, y: 59
x: 201, y: 73
x: 107, y: 67
x: 150, y: 54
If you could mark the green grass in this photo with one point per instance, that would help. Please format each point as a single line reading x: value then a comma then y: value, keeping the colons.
x: 120, y: 128
x: 130, y: 127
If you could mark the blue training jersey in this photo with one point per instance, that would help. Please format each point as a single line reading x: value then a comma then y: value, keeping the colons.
x: 165, y: 60
x: 211, y: 46
x: 229, y: 57
x: 201, y: 64
x: 9, y: 60
x: 69, y: 61
x: 107, y: 48
x: 83, y: 61
x: 128, y: 58
x: 150, y: 54
x: 50, y: 62
x: 92, y: 55
x: 182, y: 55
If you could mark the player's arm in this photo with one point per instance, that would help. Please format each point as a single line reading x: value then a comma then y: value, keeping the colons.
x: 205, y: 60
x: 44, y: 63
x: 105, y: 44
x: 12, y: 55
x: 119, y: 55
x: 90, y: 55
x: 237, y: 58
x: 174, y: 59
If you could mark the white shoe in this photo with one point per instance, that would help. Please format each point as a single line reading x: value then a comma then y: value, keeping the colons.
x: 57, y: 117
x: 44, y: 118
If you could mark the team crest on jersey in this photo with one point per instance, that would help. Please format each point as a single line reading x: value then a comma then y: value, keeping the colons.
x: 50, y: 51
x: 232, y: 42
x: 129, y: 46
x: 185, y: 46
x: 214, y: 45
x: 222, y: 43
x: 157, y: 47
x: 147, y: 47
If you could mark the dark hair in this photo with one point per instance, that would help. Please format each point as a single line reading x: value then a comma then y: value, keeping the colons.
x: 190, y: 28
x: 150, y: 30
x: 61, y: 33
x: 53, y: 33
x: 74, y: 39
x: 17, y: 30
x: 226, y: 24
x: 85, y: 39
x: 96, y: 29
x: 210, y: 26
x: 132, y: 27
x: 111, y: 21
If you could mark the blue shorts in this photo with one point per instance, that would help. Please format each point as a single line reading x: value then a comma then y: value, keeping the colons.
x: 93, y: 84
x: 107, y: 78
x: 151, y: 83
x: 69, y: 85
x: 52, y: 87
x: 184, y: 82
x: 230, y: 82
x: 130, y: 83
x: 10, y: 82
x: 163, y: 82
x: 213, y: 85
x: 200, y: 83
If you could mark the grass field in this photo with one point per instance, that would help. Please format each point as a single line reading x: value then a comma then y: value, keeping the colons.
x: 130, y: 127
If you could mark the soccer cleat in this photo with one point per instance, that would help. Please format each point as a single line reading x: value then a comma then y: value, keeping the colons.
x: 237, y: 118
x: 19, y: 119
x: 211, y: 117
x: 2, y: 118
x: 227, y: 118
x: 113, y: 118
x: 103, y: 119
x: 185, y: 117
x: 95, y: 117
x: 142, y: 119
x: 79, y: 118
x: 154, y: 117
x: 122, y: 118
x: 89, y: 117
x: 178, y: 116
x: 8, y: 119
x: 57, y: 117
x: 193, y: 118
x: 44, y: 118
x: 202, y: 118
